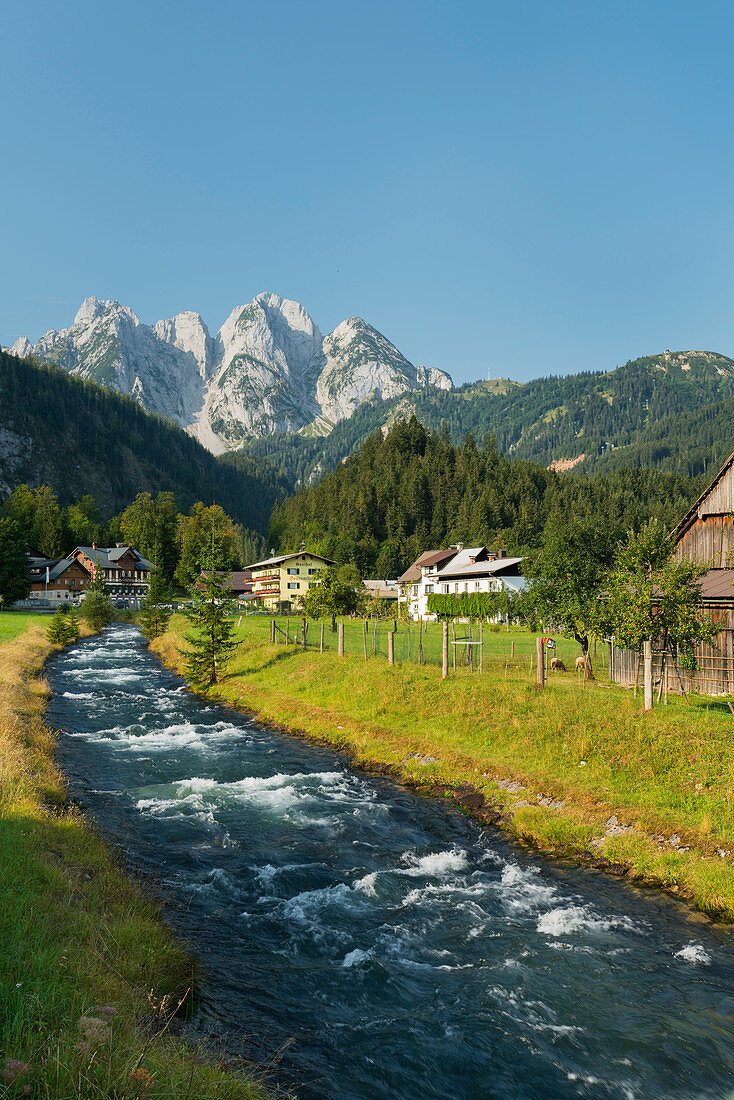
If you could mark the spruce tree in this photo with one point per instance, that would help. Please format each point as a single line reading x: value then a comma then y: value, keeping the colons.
x: 154, y: 614
x: 210, y: 643
x: 97, y: 606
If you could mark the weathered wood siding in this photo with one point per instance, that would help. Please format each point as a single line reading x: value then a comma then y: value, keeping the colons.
x: 713, y: 675
x: 710, y: 540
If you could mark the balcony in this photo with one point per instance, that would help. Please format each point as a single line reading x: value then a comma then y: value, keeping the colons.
x: 268, y: 577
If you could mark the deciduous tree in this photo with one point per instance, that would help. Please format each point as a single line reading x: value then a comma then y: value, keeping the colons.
x: 651, y: 597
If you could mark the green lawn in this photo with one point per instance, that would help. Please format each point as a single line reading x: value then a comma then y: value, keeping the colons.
x: 13, y: 623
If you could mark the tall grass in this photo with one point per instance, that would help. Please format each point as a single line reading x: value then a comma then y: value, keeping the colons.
x: 89, y: 974
x: 580, y: 753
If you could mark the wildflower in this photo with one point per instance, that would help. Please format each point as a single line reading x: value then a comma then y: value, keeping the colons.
x: 143, y: 1079
x: 14, y: 1069
x: 94, y: 1031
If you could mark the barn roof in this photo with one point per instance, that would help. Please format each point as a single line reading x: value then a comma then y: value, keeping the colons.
x: 692, y: 514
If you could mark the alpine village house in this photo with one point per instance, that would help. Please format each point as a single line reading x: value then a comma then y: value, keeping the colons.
x: 125, y: 571
x: 278, y: 582
x: 456, y: 571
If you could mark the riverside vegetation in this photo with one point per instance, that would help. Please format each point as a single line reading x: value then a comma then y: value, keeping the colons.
x: 90, y: 977
x: 579, y: 772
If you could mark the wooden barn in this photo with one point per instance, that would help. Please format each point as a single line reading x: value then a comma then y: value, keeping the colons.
x: 705, y: 535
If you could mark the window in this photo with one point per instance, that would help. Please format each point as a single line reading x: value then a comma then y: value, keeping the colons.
x: 294, y: 572
x: 312, y: 571
x: 429, y: 588
x: 292, y: 585
x: 476, y: 585
x: 445, y: 590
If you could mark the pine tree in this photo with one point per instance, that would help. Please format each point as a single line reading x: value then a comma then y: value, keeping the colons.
x: 64, y: 627
x: 97, y: 606
x: 210, y: 644
x: 154, y: 614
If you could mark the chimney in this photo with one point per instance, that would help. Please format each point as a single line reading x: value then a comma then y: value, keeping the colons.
x: 501, y: 553
x: 491, y: 555
x: 119, y: 545
x: 94, y: 546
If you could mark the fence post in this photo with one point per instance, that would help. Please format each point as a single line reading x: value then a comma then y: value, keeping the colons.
x: 512, y: 650
x: 340, y: 641
x: 453, y: 639
x: 445, y: 651
x: 364, y: 639
x: 303, y: 633
x: 321, y: 649
x: 420, y: 642
x: 390, y: 647
x: 272, y: 631
x: 540, y: 669
x: 481, y: 646
x: 647, y: 657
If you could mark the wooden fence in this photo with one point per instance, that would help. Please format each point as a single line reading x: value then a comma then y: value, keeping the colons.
x: 713, y: 674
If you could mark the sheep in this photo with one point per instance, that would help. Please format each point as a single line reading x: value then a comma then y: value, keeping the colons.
x: 583, y: 663
x: 557, y: 665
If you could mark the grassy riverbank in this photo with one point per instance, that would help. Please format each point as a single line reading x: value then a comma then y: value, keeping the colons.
x: 89, y: 974
x: 578, y: 772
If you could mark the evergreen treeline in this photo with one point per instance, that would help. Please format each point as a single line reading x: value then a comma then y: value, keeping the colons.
x: 672, y: 415
x: 76, y: 437
x: 414, y: 490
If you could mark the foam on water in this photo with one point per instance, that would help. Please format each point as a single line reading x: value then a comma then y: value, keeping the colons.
x: 435, y: 863
x: 694, y: 953
x: 355, y: 958
x: 575, y: 918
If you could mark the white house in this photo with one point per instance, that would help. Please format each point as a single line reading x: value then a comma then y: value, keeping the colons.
x: 456, y: 571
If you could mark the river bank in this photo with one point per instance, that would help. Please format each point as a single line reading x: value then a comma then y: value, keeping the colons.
x: 89, y: 974
x: 578, y: 774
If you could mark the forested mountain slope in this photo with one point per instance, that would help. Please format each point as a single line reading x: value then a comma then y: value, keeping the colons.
x: 412, y: 490
x: 78, y: 437
x: 670, y: 412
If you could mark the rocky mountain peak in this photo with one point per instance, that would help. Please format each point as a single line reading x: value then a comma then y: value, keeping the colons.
x: 187, y: 332
x: 268, y: 369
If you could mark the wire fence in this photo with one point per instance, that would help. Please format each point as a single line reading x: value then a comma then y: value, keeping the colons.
x: 472, y: 647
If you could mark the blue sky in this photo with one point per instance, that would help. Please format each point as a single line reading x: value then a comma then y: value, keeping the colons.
x: 531, y: 188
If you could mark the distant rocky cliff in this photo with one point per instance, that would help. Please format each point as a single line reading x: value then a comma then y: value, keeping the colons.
x: 269, y: 368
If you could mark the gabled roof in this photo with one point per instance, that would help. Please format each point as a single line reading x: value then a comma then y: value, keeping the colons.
x: 480, y: 568
x: 108, y: 556
x: 382, y: 590
x: 428, y: 558
x: 62, y: 565
x: 692, y: 514
x: 289, y: 557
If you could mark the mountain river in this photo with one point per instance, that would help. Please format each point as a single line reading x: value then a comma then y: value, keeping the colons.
x: 392, y: 946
